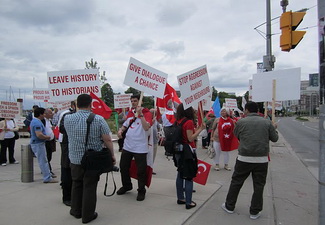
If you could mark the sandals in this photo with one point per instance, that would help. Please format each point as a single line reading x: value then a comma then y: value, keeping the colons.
x: 192, y: 205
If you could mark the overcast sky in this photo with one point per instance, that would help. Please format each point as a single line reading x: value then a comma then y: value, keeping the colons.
x: 174, y: 36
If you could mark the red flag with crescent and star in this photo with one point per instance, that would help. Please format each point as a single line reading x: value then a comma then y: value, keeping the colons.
x: 202, y: 172
x: 99, y: 107
x: 170, y: 93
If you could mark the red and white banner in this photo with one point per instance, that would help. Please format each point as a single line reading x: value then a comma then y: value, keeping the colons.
x: 194, y: 86
x: 68, y: 85
x: 122, y: 101
x: 231, y: 103
x: 9, y: 110
x: 202, y: 172
x: 145, y: 78
x: 41, y: 94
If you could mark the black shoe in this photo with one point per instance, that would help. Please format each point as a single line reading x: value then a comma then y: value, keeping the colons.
x: 181, y: 202
x: 154, y: 173
x: 67, y: 203
x: 94, y: 217
x: 141, y: 196
x: 192, y: 205
x: 123, y: 190
x: 77, y: 216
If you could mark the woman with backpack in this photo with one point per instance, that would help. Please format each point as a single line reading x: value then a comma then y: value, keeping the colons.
x: 186, y: 160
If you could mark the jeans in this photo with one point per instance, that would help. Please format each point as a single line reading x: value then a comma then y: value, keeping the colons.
x: 40, y: 153
x: 241, y: 172
x: 180, y: 187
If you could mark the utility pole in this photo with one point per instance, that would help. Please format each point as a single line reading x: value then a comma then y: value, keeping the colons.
x: 321, y: 175
x: 268, y: 59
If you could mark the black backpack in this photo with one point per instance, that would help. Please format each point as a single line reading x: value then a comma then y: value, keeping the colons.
x: 173, y: 138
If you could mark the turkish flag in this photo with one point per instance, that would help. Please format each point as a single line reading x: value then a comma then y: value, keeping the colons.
x: 202, y: 172
x: 228, y: 141
x: 99, y: 107
x: 170, y: 93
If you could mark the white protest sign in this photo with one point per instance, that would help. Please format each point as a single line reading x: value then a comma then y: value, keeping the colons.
x: 9, y: 110
x: 63, y: 105
x: 41, y: 94
x: 122, y: 101
x: 231, y: 103
x: 19, y: 121
x: 194, y: 86
x: 68, y: 85
x: 145, y: 78
x: 287, y: 85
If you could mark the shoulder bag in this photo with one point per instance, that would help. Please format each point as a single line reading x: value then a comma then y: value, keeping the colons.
x: 97, y: 162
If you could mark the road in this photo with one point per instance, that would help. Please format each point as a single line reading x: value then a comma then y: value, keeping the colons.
x: 303, y: 136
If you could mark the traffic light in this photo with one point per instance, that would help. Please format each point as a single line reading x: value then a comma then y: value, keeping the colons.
x: 290, y: 38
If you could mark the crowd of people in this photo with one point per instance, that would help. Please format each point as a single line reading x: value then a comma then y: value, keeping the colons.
x: 250, y: 134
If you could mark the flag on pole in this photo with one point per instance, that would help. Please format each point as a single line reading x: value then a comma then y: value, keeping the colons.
x: 216, y: 107
x: 170, y: 93
x: 202, y: 172
x: 99, y: 107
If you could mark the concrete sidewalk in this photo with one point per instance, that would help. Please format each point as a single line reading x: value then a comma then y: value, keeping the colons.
x: 290, y: 197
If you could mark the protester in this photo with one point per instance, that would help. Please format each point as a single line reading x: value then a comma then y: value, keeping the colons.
x: 186, y: 160
x: 254, y: 133
x: 84, y: 185
x: 56, y: 117
x: 50, y: 145
x: 37, y: 143
x: 8, y: 142
x: 30, y: 117
x: 135, y: 146
x: 66, y: 180
x: 222, y: 136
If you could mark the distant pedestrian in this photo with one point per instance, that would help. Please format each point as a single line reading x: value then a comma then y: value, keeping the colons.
x: 186, y: 160
x: 254, y: 133
x: 37, y: 143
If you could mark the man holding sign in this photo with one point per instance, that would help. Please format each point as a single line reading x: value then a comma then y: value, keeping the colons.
x: 135, y: 146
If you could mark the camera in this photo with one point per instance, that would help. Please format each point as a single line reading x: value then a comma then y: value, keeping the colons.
x: 115, y: 169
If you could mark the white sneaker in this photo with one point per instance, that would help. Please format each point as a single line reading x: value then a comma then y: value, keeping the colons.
x: 223, y: 206
x: 3, y: 164
x: 255, y: 217
x: 217, y: 168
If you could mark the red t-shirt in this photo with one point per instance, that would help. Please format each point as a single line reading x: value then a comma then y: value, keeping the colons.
x: 188, y: 125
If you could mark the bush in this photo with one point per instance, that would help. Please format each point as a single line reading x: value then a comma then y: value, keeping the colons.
x: 301, y: 118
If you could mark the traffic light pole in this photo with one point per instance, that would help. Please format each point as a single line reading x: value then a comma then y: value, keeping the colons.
x: 268, y: 59
x: 321, y: 189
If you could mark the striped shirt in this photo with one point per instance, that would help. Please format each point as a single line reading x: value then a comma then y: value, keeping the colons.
x: 76, y: 127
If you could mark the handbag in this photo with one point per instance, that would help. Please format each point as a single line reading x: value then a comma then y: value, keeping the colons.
x: 16, y: 135
x: 96, y: 161
x: 211, y: 152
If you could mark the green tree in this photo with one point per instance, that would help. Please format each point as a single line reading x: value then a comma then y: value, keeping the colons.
x: 108, y: 95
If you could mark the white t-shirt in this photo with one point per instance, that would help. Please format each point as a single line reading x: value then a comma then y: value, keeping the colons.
x: 136, y: 139
x: 48, y: 129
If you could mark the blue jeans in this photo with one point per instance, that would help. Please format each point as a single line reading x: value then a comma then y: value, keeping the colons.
x: 181, y: 187
x: 40, y: 153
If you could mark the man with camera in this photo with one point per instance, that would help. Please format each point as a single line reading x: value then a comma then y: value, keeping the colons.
x: 84, y: 185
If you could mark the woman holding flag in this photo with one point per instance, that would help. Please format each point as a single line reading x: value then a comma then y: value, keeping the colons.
x: 223, y: 138
x: 186, y: 160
